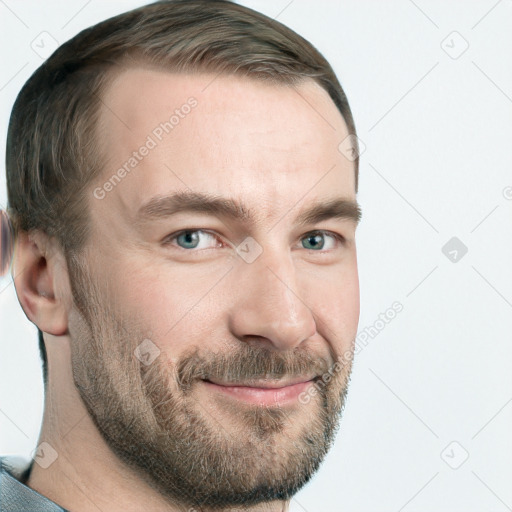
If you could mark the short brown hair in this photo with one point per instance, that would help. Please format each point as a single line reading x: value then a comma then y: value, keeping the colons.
x: 51, y: 152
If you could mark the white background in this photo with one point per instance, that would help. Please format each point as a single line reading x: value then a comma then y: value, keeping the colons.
x: 437, y: 164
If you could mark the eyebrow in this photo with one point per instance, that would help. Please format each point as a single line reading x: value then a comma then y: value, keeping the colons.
x: 161, y: 207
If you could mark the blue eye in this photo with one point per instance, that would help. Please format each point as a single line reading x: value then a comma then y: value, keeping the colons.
x: 316, y: 241
x: 190, y: 239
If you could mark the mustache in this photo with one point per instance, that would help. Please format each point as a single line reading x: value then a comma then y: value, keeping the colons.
x: 248, y: 363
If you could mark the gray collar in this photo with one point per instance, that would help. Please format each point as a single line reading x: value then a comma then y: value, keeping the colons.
x: 15, y: 496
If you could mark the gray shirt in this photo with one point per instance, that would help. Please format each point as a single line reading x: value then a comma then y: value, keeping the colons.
x: 15, y: 496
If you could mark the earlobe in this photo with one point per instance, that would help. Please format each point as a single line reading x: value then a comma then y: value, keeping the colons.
x: 36, y: 270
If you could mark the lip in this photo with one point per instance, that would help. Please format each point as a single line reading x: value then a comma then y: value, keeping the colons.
x: 261, y: 392
x: 263, y: 384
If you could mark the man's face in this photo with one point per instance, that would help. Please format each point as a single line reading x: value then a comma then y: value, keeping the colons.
x: 164, y: 319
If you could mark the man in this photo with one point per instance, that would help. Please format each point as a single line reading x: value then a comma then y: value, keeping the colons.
x: 182, y: 185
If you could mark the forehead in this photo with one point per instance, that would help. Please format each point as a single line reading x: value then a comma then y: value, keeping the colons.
x: 225, y: 135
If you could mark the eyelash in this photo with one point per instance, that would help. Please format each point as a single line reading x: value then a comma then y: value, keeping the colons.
x: 167, y: 240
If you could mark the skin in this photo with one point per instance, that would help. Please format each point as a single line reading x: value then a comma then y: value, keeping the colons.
x: 292, y: 312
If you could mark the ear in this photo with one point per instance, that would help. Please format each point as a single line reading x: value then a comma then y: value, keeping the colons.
x: 6, y: 243
x: 39, y: 270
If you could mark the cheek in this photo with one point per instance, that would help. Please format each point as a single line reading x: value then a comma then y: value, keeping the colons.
x: 336, y: 304
x: 179, y: 306
x: 175, y: 306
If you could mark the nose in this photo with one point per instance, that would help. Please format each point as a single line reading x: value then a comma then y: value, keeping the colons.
x: 268, y: 304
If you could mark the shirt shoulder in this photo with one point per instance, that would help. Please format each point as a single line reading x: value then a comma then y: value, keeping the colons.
x: 17, y: 497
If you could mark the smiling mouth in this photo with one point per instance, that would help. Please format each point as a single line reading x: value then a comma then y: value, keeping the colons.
x: 263, y: 392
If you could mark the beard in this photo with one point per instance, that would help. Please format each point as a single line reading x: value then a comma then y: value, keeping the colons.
x: 201, y: 453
